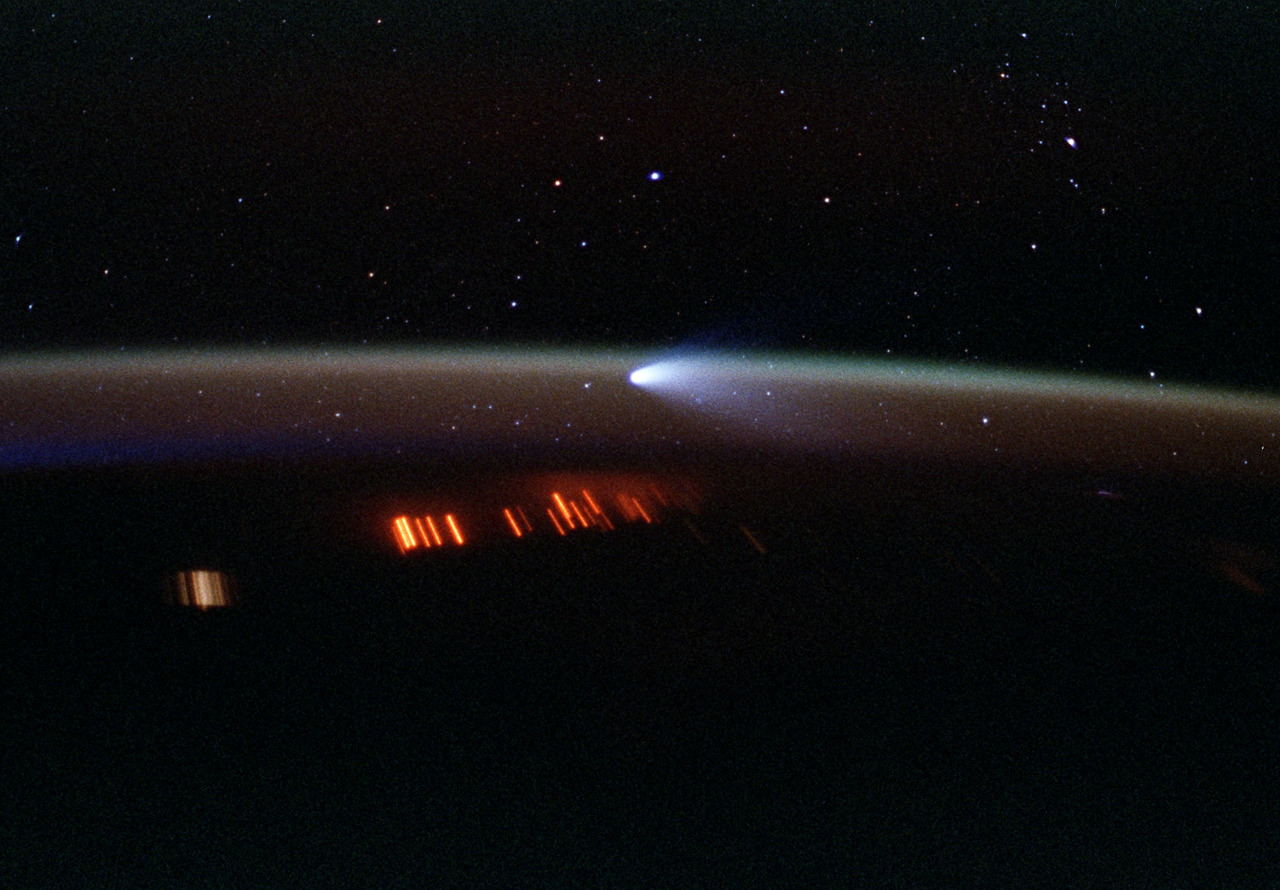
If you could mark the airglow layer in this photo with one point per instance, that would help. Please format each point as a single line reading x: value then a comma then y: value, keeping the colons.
x: 153, y: 407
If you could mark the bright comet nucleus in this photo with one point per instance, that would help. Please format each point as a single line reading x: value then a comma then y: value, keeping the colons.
x: 670, y: 373
x: 649, y: 375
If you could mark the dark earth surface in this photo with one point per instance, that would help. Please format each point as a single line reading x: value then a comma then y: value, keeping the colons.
x: 931, y: 676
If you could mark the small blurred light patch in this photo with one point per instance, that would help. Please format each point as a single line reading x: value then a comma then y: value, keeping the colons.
x: 201, y: 589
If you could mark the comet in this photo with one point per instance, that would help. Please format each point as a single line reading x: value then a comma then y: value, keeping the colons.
x: 660, y: 374
x: 732, y: 394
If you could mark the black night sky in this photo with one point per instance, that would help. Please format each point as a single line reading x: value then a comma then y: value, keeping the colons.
x: 1076, y: 186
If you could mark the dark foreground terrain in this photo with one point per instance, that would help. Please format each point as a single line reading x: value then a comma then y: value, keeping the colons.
x: 895, y: 674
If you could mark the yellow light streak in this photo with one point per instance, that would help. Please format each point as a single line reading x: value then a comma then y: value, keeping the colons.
x: 511, y: 521
x: 564, y: 511
x: 453, y: 527
x: 554, y: 521
x: 435, y: 532
x: 640, y: 509
x: 404, y: 534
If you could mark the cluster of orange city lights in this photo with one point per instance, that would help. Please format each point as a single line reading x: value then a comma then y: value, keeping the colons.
x: 413, y: 532
x: 560, y: 510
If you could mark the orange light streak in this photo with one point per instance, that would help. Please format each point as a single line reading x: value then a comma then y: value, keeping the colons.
x: 528, y: 526
x: 591, y: 502
x: 578, y: 512
x: 422, y: 530
x: 627, y: 513
x: 641, y: 511
x: 435, y: 532
x: 453, y: 527
x: 555, y: 522
x: 511, y: 521
x: 752, y: 538
x: 568, y: 517
x: 404, y: 534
